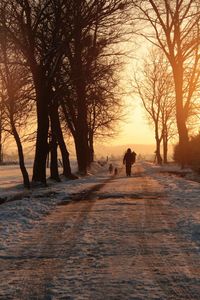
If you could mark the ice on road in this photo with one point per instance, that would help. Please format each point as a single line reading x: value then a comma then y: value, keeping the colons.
x: 134, y: 238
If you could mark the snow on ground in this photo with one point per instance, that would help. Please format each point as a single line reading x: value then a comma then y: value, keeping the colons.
x: 28, y: 207
x: 10, y: 175
x: 181, y: 190
x: 184, y: 195
x: 23, y: 209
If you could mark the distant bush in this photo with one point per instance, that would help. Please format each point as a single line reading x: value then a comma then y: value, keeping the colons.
x: 194, y: 152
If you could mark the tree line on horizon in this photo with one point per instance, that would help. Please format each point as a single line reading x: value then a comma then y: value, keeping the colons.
x: 60, y: 62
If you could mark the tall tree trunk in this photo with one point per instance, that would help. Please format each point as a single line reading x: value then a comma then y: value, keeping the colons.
x: 79, y: 80
x: 165, y: 146
x: 165, y: 151
x: 158, y: 140
x: 91, y: 147
x: 81, y: 144
x: 80, y: 154
x: 21, y: 156
x: 77, y: 135
x: 91, y: 153
x: 158, y: 154
x: 183, y: 136
x: 41, y: 151
x: 54, y: 174
x: 61, y: 142
x: 180, y: 114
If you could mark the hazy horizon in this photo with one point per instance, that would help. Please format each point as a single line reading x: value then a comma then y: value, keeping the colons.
x: 118, y: 150
x: 102, y: 150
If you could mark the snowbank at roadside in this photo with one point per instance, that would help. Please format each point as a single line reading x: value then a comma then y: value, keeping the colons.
x: 183, y: 187
x: 183, y: 193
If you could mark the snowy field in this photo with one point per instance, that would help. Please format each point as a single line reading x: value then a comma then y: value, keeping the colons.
x: 10, y: 175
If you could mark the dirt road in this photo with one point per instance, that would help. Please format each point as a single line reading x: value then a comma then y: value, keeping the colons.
x: 124, y: 242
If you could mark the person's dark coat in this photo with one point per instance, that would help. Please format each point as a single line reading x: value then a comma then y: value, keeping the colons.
x: 128, y: 160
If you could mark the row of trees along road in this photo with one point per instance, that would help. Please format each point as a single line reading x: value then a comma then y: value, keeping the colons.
x: 59, y: 58
x: 173, y: 26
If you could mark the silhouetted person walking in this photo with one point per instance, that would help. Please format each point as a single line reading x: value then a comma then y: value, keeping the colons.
x: 128, y: 160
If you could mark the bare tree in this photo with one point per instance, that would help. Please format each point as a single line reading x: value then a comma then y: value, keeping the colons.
x: 21, y: 20
x: 59, y: 38
x: 168, y: 115
x: 17, y: 100
x: 95, y: 25
x: 36, y: 29
x: 104, y: 103
x: 176, y: 31
x: 156, y: 91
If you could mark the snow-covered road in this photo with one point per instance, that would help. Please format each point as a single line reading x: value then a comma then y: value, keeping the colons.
x: 133, y: 238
